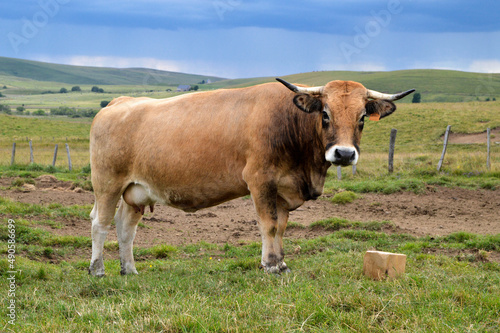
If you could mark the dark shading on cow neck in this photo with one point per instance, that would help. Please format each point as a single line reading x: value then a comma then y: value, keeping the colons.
x: 296, y: 146
x: 294, y: 139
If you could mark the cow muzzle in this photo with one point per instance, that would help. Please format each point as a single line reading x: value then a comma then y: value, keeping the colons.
x: 341, y: 155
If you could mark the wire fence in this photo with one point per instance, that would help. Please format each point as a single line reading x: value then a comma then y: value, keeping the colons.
x: 73, y: 152
x: 67, y: 155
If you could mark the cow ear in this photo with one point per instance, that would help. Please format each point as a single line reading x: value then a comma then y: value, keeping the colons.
x: 307, y: 103
x: 379, y: 108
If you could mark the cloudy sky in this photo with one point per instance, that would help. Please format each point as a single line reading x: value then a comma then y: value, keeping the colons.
x: 249, y: 38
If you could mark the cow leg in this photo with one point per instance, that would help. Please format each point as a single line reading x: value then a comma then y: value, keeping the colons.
x: 102, y: 216
x: 127, y: 217
x: 278, y: 238
x: 272, y: 223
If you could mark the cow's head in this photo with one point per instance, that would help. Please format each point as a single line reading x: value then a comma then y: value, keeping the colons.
x: 343, y: 106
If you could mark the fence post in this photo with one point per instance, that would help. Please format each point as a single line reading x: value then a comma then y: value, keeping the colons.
x: 12, y: 159
x: 392, y: 144
x: 32, y: 159
x: 55, y: 155
x: 488, y: 139
x: 339, y: 172
x: 445, y: 144
x: 69, y: 158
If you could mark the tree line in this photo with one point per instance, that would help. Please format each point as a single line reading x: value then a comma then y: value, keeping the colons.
x: 60, y: 111
x: 63, y: 90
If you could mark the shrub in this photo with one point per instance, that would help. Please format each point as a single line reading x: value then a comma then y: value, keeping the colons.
x: 97, y: 89
x: 39, y: 112
x: 416, y: 98
x: 5, y: 109
x: 72, y: 112
x: 86, y: 169
x: 62, y: 111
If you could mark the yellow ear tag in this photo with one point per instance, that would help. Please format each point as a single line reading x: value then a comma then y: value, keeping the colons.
x: 375, y: 117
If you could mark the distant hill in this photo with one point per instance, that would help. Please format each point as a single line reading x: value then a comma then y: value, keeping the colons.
x: 41, y: 71
x: 434, y: 85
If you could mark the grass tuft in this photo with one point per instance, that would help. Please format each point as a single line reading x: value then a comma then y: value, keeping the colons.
x: 338, y: 223
x: 157, y: 251
x: 344, y: 197
x: 296, y: 225
x: 41, y: 274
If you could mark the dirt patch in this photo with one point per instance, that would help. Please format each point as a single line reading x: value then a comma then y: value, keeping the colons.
x: 471, y: 255
x: 45, y: 190
x: 439, y: 211
x: 461, y: 138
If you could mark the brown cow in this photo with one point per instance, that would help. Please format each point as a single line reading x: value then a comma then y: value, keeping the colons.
x: 198, y: 150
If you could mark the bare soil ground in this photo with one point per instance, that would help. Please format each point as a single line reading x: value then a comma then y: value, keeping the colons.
x: 474, y: 137
x: 439, y: 211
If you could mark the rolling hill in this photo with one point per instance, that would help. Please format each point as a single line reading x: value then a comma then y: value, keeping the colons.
x: 41, y: 71
x: 434, y: 85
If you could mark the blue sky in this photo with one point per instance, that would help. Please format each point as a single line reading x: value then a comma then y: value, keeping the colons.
x: 244, y: 38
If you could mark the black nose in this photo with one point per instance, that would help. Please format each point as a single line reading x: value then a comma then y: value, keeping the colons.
x: 344, y: 156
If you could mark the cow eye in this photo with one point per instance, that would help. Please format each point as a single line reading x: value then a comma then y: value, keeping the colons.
x: 361, y: 123
x: 325, y: 117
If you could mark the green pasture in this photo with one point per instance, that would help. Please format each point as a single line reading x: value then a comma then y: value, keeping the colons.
x: 449, y: 285
x: 418, y: 143
x: 33, y: 94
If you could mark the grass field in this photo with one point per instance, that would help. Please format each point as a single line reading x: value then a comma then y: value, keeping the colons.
x: 208, y: 288
x: 418, y: 142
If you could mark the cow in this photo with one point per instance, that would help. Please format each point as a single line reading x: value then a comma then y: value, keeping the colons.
x: 274, y: 141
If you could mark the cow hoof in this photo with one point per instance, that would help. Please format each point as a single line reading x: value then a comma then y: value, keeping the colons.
x: 128, y: 268
x: 272, y: 270
x: 277, y: 269
x: 97, y: 273
x: 97, y: 269
x: 128, y: 272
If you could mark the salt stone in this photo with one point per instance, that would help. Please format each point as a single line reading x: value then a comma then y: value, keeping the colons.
x: 380, y: 265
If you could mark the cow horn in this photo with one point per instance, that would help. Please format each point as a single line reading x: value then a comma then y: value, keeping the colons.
x: 307, y: 90
x: 378, y: 95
